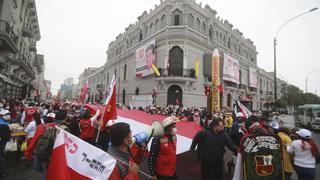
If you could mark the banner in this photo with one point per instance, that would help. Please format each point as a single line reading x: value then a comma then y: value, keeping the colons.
x: 231, y: 69
x: 73, y: 158
x: 253, y: 78
x: 262, y: 157
x: 215, y: 80
x: 84, y: 91
x: 145, y: 57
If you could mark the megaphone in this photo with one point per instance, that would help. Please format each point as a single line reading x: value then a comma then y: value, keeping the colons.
x: 156, y: 130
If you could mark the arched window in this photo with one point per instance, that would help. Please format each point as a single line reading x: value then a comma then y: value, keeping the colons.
x: 176, y: 61
x: 123, y: 96
x: 190, y: 20
x: 198, y: 24
x: 140, y: 35
x: 177, y: 17
x: 163, y: 21
x: 203, y: 27
x: 125, y: 72
x: 211, y: 33
x: 137, y: 91
x: 107, y: 77
x: 156, y: 25
x: 229, y: 43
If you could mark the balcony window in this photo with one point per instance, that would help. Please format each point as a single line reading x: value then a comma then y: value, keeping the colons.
x: 176, y: 61
x: 176, y: 20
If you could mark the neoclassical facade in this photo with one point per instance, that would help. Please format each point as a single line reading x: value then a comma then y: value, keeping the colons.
x: 184, y: 32
x: 21, y: 68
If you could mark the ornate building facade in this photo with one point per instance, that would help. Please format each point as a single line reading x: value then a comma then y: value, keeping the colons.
x: 21, y: 68
x: 184, y: 33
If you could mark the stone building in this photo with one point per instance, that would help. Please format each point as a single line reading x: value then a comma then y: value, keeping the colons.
x: 183, y: 33
x: 21, y: 68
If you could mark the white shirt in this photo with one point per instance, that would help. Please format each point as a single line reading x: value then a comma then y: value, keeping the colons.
x: 302, y: 158
x: 31, y: 129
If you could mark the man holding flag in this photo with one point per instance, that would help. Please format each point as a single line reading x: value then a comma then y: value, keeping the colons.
x: 109, y: 113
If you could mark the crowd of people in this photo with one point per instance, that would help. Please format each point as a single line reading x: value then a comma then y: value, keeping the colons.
x: 221, y: 129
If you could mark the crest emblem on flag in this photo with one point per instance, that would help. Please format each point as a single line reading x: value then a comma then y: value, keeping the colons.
x: 264, y: 165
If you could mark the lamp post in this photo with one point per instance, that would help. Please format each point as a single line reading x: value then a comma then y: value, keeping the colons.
x: 308, y: 76
x: 275, y: 52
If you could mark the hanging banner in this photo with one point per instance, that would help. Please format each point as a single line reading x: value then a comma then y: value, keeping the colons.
x: 253, y: 78
x: 145, y: 57
x: 215, y: 80
x: 262, y: 157
x: 231, y: 69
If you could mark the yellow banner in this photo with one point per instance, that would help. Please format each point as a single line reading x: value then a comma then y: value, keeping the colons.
x: 215, y: 81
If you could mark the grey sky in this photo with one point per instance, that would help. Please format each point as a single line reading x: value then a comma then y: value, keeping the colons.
x: 76, y: 33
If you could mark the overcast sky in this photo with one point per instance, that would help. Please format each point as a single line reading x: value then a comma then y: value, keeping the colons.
x: 75, y: 34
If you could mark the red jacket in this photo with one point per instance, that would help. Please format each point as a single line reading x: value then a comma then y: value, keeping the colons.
x: 87, y: 129
x: 166, y: 161
x: 29, y: 114
x: 137, y: 156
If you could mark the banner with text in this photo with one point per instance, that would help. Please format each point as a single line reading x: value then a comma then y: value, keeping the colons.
x: 145, y: 57
x: 231, y: 69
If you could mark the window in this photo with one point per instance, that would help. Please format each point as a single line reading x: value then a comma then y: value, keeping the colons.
x: 115, y: 72
x: 137, y: 91
x: 176, y: 20
x: 229, y: 43
x: 125, y: 72
x: 210, y: 33
x: 140, y: 35
x: 108, y: 78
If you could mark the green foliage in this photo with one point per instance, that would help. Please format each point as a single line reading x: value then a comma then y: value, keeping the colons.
x: 293, y: 96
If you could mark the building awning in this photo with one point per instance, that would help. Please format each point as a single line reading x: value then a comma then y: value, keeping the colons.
x: 6, y: 79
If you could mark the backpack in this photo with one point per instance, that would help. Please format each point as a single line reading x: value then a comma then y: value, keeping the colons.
x: 45, y: 144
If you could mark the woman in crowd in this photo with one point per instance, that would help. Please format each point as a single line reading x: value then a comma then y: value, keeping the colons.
x: 305, y: 152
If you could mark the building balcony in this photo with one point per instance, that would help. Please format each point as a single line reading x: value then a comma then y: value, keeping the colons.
x: 8, y: 39
x: 32, y: 46
x: 261, y: 91
x: 177, y: 75
x: 22, y: 65
x: 26, y: 30
x: 38, y: 62
x: 269, y: 93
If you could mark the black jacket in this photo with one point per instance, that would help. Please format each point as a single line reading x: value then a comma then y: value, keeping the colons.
x: 5, y: 134
x: 211, y: 147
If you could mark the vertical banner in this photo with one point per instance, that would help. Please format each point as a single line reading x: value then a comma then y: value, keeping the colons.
x: 253, y: 78
x: 196, y: 68
x: 215, y: 80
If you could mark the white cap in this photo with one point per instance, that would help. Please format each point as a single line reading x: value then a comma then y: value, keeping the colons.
x: 304, y: 133
x: 274, y: 124
x: 4, y: 112
x: 168, y: 121
x: 51, y: 115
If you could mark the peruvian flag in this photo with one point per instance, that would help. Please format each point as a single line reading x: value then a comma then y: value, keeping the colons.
x: 83, y: 92
x: 242, y: 108
x: 110, y: 111
x: 72, y: 158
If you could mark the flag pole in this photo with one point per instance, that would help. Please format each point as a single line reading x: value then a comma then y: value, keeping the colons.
x: 99, y: 130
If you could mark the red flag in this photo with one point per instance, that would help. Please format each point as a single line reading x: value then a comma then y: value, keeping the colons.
x: 83, y: 92
x: 73, y: 158
x: 110, y: 111
x: 220, y: 88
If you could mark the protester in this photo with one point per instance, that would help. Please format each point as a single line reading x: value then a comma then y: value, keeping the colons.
x: 286, y: 141
x: 4, y: 138
x: 27, y: 114
x: 121, y: 139
x: 305, y: 152
x: 211, y: 144
x: 228, y: 121
x: 162, y: 159
x: 31, y: 127
x: 87, y: 126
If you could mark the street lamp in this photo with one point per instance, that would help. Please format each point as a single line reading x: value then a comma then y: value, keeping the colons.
x: 274, y: 50
x: 308, y: 76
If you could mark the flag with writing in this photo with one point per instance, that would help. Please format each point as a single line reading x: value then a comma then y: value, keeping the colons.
x: 110, y: 111
x: 73, y: 158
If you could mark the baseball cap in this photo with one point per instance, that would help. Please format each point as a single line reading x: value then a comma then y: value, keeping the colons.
x: 274, y: 124
x: 51, y: 115
x: 4, y: 112
x: 304, y: 133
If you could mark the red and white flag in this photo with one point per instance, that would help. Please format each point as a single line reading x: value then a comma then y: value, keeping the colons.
x: 73, y: 158
x: 247, y: 113
x: 110, y: 111
x: 83, y: 92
